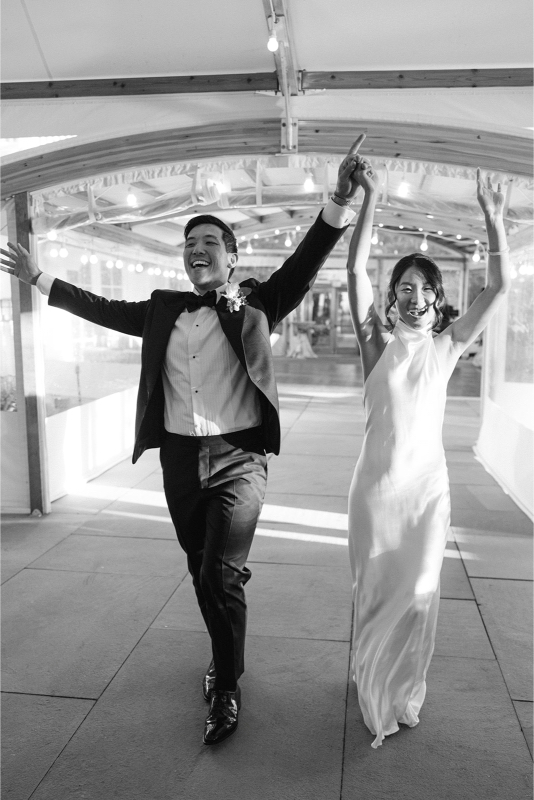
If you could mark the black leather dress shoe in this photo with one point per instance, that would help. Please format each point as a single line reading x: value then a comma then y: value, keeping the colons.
x: 208, y: 682
x: 221, y: 721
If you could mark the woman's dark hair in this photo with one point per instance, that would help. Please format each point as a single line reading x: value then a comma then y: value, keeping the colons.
x: 433, y: 276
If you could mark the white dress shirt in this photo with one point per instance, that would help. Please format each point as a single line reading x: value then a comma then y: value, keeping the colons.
x: 207, y: 391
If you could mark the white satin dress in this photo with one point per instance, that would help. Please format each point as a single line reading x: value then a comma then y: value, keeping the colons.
x: 399, y: 517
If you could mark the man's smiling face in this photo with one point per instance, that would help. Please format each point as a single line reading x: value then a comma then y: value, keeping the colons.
x: 205, y: 258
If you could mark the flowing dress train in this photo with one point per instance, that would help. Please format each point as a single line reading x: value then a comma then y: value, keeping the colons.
x: 399, y: 517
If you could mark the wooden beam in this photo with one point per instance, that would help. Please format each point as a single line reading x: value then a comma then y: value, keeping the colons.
x: 440, y: 144
x: 30, y: 378
x: 418, y: 79
x: 123, y: 87
x: 123, y: 235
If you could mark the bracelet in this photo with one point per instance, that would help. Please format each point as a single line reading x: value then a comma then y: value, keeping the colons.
x: 341, y: 201
x: 498, y: 252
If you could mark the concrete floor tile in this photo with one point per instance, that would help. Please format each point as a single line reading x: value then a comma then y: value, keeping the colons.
x: 461, y: 631
x: 524, y: 713
x: 267, y: 547
x: 492, y: 498
x: 127, y: 474
x: 454, y: 583
x: 289, y: 742
x: 462, y: 498
x: 319, y: 445
x: 460, y: 456
x: 302, y: 475
x: 67, y: 633
x: 468, y: 743
x: 143, y: 524
x: 152, y: 483
x: 506, y: 608
x: 467, y: 474
x: 116, y: 555
x: 493, y: 555
x: 285, y: 600
x: 25, y: 539
x: 332, y: 503
x: 498, y: 521
x: 34, y: 732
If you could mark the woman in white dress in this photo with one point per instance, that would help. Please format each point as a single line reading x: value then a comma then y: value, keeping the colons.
x: 399, y: 506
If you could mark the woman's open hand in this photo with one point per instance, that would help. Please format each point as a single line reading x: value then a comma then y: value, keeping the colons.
x: 491, y: 200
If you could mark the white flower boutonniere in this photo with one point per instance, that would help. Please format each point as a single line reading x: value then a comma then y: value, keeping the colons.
x: 235, y: 298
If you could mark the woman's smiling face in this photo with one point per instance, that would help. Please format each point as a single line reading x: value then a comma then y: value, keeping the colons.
x: 415, y: 299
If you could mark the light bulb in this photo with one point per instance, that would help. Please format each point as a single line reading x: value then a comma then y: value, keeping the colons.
x: 287, y: 241
x: 63, y: 252
x: 139, y: 267
x: 131, y: 267
x: 424, y: 245
x: 309, y: 184
x: 109, y: 263
x: 93, y: 259
x: 476, y: 256
x: 119, y: 264
x: 404, y: 189
x: 276, y: 233
x: 272, y: 44
x: 374, y: 237
x: 54, y: 253
x: 150, y: 270
x: 172, y: 274
x: 440, y: 233
x: 52, y: 236
x: 131, y: 200
x: 420, y: 230
x: 380, y: 224
x: 297, y: 228
x: 84, y: 259
x: 157, y: 271
x: 255, y: 235
x: 401, y: 227
x: 165, y: 273
x: 458, y: 235
x: 249, y: 248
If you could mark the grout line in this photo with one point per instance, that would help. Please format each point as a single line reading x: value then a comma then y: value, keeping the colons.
x: 43, y: 694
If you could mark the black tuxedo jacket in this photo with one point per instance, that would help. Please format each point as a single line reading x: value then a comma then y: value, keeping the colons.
x: 247, y: 330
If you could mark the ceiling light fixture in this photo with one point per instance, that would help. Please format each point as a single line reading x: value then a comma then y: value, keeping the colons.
x: 131, y: 200
x: 308, y: 183
x: 404, y: 189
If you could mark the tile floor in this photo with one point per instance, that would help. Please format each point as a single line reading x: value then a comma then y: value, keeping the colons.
x: 104, y: 647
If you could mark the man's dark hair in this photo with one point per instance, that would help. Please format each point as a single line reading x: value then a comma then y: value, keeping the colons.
x: 428, y: 267
x: 207, y: 219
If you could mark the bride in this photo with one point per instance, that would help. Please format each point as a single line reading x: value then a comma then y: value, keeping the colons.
x: 399, y: 504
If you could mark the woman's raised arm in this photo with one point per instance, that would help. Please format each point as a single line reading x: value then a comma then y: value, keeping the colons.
x: 367, y: 324
x: 466, y: 329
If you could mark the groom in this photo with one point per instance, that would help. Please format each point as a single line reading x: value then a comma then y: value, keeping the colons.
x: 207, y: 398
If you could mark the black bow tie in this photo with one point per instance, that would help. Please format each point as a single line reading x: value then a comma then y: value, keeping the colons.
x: 194, y: 301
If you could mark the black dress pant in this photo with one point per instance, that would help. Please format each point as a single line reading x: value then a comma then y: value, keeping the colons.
x: 214, y: 486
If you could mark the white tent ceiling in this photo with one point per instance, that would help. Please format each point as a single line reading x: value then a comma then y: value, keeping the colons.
x: 447, y: 121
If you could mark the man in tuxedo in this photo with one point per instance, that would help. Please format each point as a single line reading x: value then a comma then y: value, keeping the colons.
x: 208, y: 399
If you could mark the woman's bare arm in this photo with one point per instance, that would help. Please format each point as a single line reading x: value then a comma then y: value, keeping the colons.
x: 468, y: 327
x: 369, y: 329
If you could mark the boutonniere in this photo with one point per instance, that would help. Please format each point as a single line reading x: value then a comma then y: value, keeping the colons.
x: 235, y: 297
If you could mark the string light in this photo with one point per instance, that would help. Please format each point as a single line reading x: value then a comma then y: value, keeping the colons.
x: 404, y: 189
x: 424, y: 244
x: 249, y: 248
x: 458, y: 235
x: 54, y: 253
x: 272, y: 44
x: 277, y: 232
x: 51, y: 236
x: 374, y: 237
x: 63, y: 252
x: 131, y: 267
x: 309, y: 184
x: 119, y: 264
x: 139, y: 267
x: 476, y: 255
x: 150, y: 270
x: 440, y: 233
x: 84, y: 259
x: 297, y: 228
x: 255, y: 235
x: 93, y: 259
x: 288, y: 241
x: 380, y: 224
x: 157, y: 271
x: 109, y: 263
x: 131, y: 200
